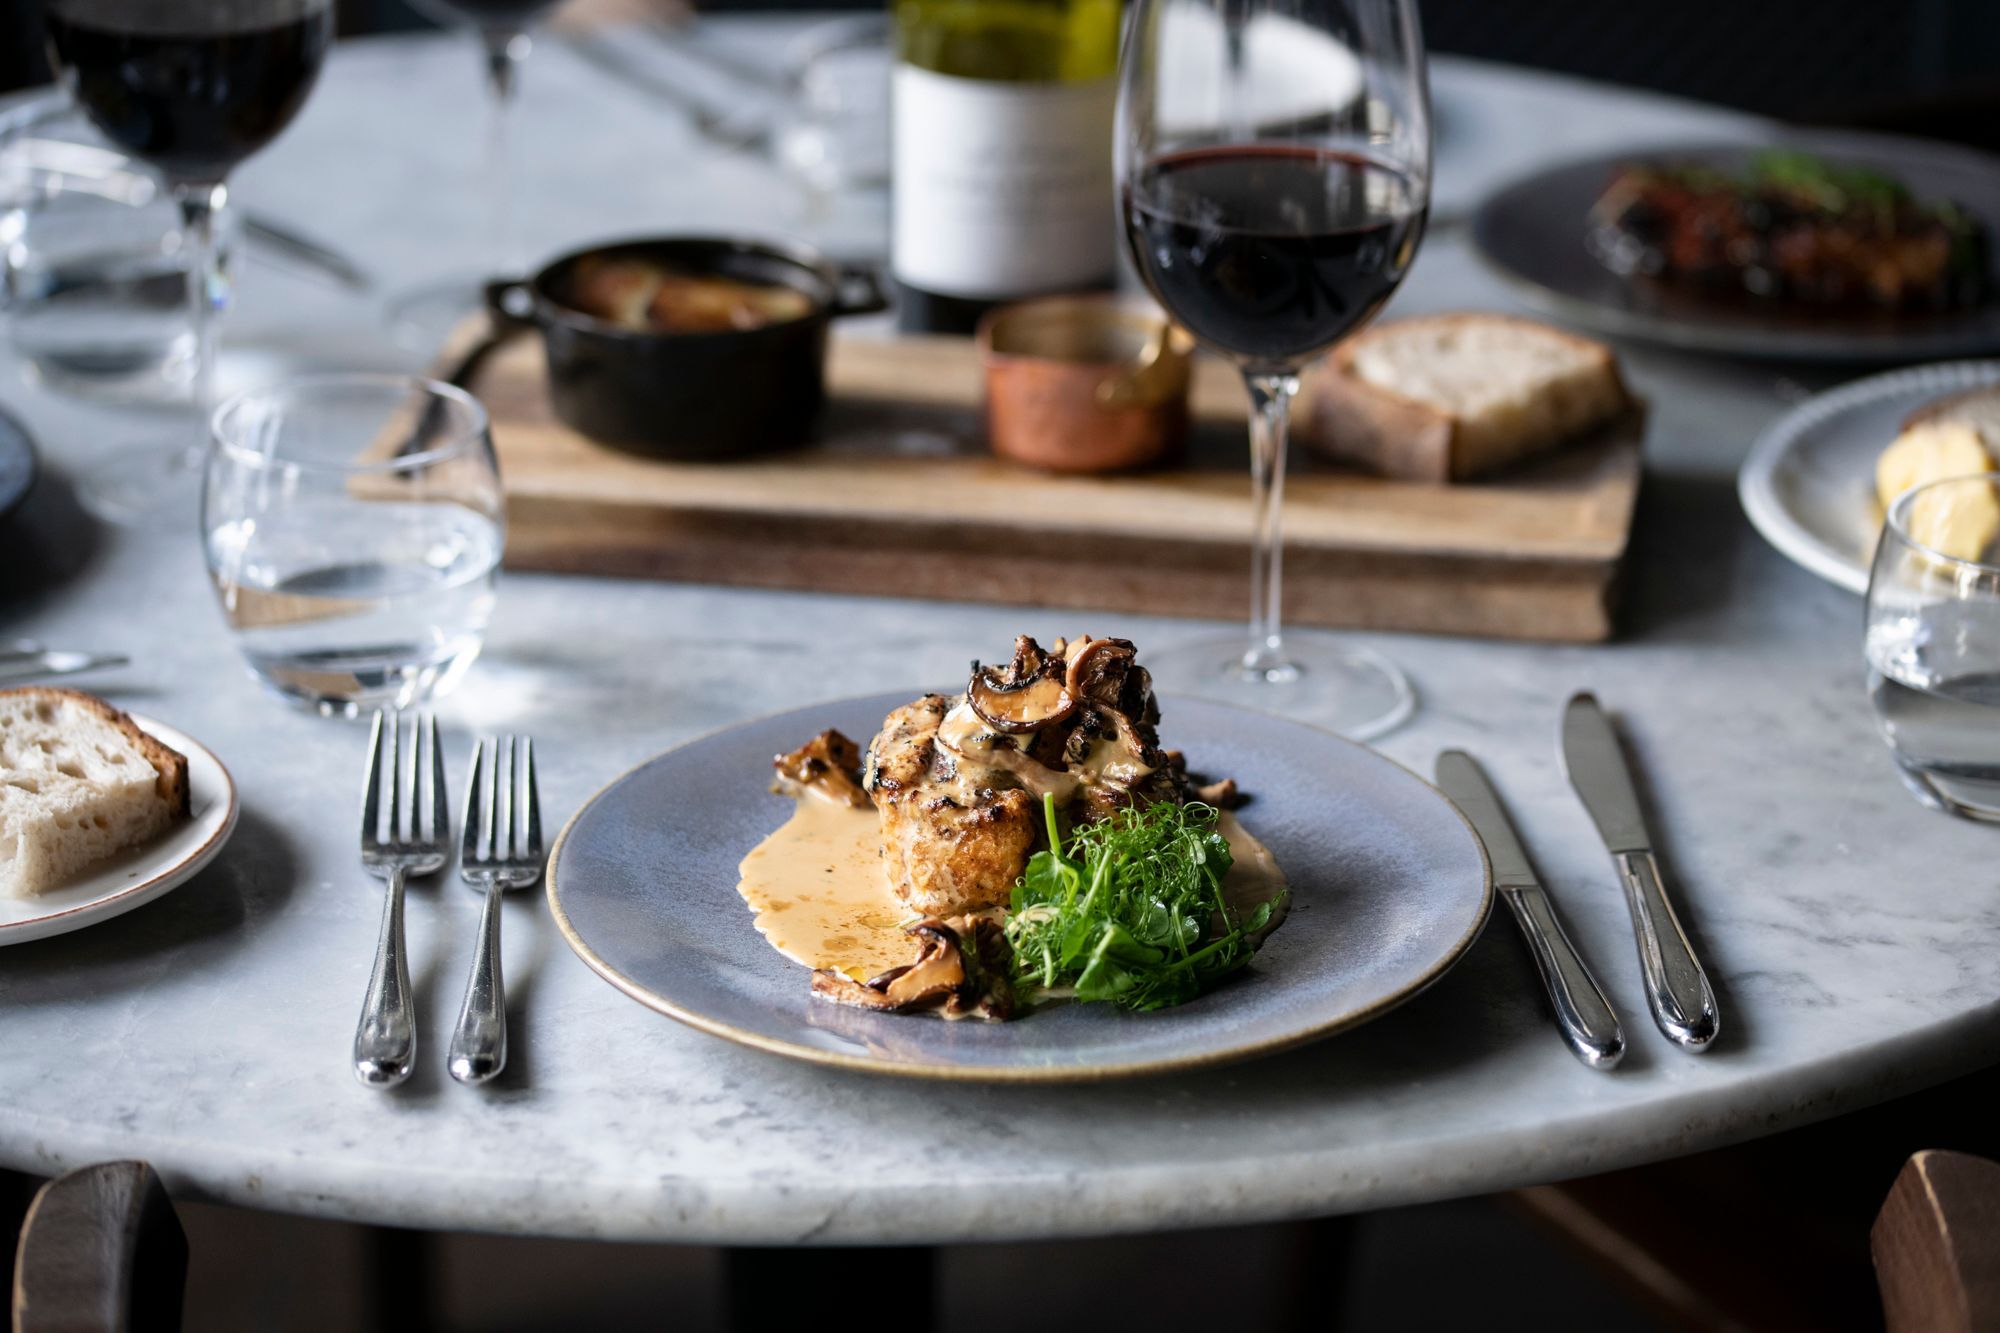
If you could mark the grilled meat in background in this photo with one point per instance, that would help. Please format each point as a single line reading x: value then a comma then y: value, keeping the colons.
x: 1793, y: 231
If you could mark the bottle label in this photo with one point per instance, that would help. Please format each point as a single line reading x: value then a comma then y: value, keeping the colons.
x: 1001, y: 189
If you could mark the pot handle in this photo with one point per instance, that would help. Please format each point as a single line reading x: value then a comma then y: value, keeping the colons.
x: 857, y: 291
x: 510, y: 303
x: 510, y: 311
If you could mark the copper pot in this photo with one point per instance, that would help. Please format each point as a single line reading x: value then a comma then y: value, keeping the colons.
x: 1084, y: 384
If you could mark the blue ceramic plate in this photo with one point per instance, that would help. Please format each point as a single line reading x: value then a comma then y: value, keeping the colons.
x: 1531, y: 233
x: 17, y: 463
x: 1389, y: 887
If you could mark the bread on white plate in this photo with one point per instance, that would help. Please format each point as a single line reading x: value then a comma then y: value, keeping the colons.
x: 79, y: 782
x: 1450, y: 397
x: 1955, y: 436
x: 1978, y: 408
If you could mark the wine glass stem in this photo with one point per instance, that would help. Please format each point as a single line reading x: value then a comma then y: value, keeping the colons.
x: 1270, y: 419
x: 505, y: 51
x: 201, y: 205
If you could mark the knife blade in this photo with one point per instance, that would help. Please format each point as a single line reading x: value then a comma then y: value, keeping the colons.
x: 1677, y: 989
x: 1583, y: 1015
x: 55, y: 662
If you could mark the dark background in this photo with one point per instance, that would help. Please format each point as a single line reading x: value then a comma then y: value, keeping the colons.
x: 1930, y: 66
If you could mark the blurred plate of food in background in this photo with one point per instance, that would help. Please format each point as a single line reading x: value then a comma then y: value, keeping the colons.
x: 1813, y: 483
x: 1820, y: 246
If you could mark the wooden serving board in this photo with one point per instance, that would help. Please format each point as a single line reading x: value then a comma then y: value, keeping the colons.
x: 900, y: 498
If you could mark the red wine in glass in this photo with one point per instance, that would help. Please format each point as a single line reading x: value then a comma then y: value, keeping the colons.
x: 191, y: 89
x: 1271, y: 253
x: 1274, y: 167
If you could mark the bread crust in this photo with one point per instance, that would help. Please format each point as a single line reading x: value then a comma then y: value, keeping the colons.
x: 170, y: 764
x: 1385, y: 431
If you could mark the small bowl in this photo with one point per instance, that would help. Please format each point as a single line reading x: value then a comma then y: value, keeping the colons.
x: 1084, y: 384
x: 701, y: 394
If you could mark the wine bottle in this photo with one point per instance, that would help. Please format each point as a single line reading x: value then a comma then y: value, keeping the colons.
x: 1002, y: 156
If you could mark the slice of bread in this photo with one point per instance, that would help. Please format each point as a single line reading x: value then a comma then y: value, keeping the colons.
x: 1448, y: 397
x: 79, y: 781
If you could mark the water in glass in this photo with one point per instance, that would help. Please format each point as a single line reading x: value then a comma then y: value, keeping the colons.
x: 353, y: 527
x: 1933, y: 644
x: 385, y: 600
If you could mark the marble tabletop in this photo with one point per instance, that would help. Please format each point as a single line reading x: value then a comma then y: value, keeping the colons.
x: 1854, y: 938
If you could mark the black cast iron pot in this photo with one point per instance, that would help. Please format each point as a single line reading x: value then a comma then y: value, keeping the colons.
x: 709, y: 394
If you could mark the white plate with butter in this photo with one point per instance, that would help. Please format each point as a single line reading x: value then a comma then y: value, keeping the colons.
x: 133, y: 878
x: 1809, y: 482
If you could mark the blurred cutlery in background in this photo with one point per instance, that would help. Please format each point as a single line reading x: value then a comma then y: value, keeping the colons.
x: 25, y: 660
x: 735, y: 131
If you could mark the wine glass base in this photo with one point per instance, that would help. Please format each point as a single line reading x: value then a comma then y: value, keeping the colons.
x: 423, y: 319
x: 138, y: 483
x: 1351, y: 691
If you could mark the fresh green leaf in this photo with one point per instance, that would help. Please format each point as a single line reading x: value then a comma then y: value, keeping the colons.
x: 1130, y: 909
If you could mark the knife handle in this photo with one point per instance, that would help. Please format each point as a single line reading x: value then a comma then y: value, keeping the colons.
x: 1584, y: 1015
x: 1682, y: 1001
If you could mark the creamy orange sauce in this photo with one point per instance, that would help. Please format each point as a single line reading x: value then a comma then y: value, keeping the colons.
x: 818, y: 892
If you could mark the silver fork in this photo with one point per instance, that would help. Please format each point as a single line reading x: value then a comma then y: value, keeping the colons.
x: 395, y: 845
x: 497, y: 852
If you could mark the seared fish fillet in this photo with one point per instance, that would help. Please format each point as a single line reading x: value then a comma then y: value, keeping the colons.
x: 948, y: 848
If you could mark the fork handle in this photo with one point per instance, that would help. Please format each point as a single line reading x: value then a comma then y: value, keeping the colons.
x: 479, y: 1045
x: 385, y: 1043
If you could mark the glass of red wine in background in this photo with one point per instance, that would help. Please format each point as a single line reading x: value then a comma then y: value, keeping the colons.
x: 192, y: 88
x: 1273, y: 162
x: 423, y: 318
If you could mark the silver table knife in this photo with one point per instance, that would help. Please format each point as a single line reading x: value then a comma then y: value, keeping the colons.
x: 1587, y: 1021
x: 1677, y: 990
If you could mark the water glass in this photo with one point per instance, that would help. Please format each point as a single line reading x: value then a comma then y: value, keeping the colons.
x: 93, y: 268
x: 1933, y: 643
x: 353, y: 527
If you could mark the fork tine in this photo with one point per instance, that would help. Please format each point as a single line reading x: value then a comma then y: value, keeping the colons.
x: 371, y: 798
x: 395, y: 830
x: 440, y: 833
x: 492, y: 800
x: 469, y: 841
x: 503, y: 846
x: 534, y: 847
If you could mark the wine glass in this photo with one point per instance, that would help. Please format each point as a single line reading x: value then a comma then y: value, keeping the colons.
x: 1273, y: 161
x: 191, y: 88
x: 424, y: 317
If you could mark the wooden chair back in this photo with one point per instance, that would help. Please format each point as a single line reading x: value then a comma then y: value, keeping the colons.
x: 101, y: 1251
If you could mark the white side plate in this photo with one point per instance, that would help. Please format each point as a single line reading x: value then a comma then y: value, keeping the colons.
x: 1809, y: 482
x: 112, y: 888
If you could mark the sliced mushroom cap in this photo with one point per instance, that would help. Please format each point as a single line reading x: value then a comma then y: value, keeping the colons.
x: 830, y: 985
x: 938, y: 974
x: 1097, y: 669
x: 827, y: 766
x: 1019, y: 707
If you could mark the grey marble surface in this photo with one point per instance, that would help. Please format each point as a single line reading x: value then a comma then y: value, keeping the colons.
x: 1854, y: 938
